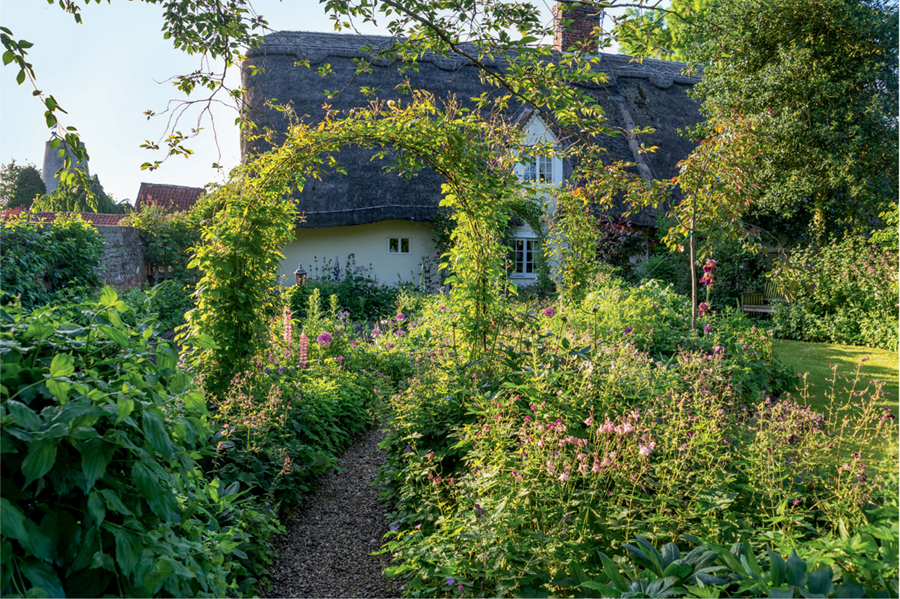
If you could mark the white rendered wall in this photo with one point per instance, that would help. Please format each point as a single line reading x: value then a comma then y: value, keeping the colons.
x: 368, y: 243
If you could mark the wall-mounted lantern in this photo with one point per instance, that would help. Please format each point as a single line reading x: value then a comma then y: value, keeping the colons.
x: 301, y: 275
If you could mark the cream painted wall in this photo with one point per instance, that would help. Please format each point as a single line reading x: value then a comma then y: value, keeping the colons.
x: 368, y: 243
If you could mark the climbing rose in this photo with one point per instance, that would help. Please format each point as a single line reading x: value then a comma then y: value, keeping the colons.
x: 324, y: 339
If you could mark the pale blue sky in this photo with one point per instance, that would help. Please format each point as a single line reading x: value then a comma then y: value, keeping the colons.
x: 106, y: 73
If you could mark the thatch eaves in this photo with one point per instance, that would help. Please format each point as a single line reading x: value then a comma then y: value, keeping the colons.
x: 648, y: 94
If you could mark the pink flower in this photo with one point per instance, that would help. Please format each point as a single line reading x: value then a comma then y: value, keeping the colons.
x: 596, y: 467
x: 549, y: 312
x: 589, y: 421
x: 302, y: 350
x: 563, y: 477
x: 442, y: 308
x: 339, y: 359
x: 400, y: 317
x: 704, y: 310
x: 607, y: 427
x: 324, y: 339
x: 376, y: 332
x: 646, y: 450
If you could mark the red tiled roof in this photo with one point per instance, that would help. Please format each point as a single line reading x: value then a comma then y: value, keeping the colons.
x: 171, y: 197
x: 98, y: 220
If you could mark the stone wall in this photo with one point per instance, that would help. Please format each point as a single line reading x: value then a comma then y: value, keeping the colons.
x: 123, y: 257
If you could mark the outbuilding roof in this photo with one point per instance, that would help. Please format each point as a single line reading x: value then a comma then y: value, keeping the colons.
x: 651, y: 93
x: 174, y: 198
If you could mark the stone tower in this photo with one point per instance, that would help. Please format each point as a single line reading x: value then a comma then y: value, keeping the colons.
x: 53, y: 162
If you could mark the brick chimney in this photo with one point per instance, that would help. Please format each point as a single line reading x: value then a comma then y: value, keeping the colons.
x: 579, y: 34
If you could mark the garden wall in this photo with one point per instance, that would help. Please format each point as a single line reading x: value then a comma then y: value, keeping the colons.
x: 123, y: 257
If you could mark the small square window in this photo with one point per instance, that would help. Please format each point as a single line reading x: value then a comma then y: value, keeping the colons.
x: 398, y: 245
x: 538, y: 169
x: 524, y: 255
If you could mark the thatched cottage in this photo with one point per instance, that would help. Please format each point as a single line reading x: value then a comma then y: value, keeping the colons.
x: 384, y: 220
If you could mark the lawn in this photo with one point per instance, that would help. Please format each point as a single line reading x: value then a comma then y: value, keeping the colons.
x: 817, y: 358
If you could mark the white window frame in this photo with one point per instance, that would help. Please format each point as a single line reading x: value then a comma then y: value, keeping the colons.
x: 399, y: 245
x: 539, y: 169
x: 526, y: 241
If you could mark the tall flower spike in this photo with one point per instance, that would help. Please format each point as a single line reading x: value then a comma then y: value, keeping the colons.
x: 302, y: 350
x: 287, y: 324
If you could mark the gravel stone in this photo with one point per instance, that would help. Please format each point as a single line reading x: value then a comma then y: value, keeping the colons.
x: 326, y: 551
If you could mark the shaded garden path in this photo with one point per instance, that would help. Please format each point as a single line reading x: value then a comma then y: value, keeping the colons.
x: 326, y: 551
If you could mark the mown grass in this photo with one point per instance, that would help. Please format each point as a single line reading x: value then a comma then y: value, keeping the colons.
x: 817, y: 358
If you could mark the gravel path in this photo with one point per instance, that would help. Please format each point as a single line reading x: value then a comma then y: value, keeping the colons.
x: 326, y: 551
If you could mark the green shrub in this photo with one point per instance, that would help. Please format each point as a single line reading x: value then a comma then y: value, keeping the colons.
x: 362, y: 297
x: 844, y: 292
x: 168, y: 238
x: 38, y: 262
x: 169, y: 301
x: 101, y: 490
x: 568, y: 442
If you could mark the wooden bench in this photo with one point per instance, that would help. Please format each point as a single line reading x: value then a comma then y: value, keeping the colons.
x: 762, y: 301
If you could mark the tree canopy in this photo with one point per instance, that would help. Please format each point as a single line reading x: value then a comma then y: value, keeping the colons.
x: 20, y: 184
x: 824, y: 73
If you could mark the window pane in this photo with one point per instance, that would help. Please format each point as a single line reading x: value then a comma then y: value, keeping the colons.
x: 404, y: 245
x: 393, y: 245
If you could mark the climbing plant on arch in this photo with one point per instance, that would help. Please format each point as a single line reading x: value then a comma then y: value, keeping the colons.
x: 256, y: 215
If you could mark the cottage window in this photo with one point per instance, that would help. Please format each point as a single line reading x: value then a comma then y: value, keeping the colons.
x: 540, y: 169
x: 398, y: 245
x: 524, y: 255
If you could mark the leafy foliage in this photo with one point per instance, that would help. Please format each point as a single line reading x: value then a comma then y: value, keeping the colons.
x: 608, y: 419
x: 75, y: 401
x: 66, y: 199
x: 20, y: 185
x: 168, y: 238
x: 825, y: 74
x: 38, y: 262
x: 842, y: 292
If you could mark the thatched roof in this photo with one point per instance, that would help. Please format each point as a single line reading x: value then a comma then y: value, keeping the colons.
x: 652, y: 93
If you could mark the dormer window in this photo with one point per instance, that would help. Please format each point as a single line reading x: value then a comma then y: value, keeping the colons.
x: 540, y: 169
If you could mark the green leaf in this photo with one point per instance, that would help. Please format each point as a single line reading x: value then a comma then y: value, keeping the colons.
x: 128, y: 550
x: 124, y: 407
x: 677, y: 570
x: 796, y: 570
x: 95, y: 457
x: 114, y: 503
x: 607, y: 590
x: 43, y: 576
x: 819, y: 582
x: 777, y: 568
x: 12, y: 522
x: 195, y: 402
x: 62, y: 366
x: 612, y: 572
x: 96, y: 508
x: 155, y: 431
x: 58, y: 389
x: 108, y: 297
x: 202, y: 341
x: 23, y: 416
x: 40, y: 459
x: 165, y: 568
x: 119, y: 337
